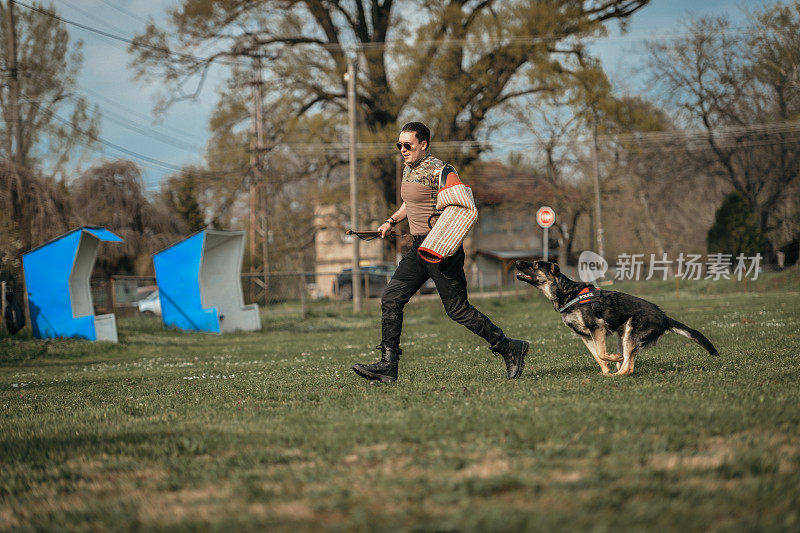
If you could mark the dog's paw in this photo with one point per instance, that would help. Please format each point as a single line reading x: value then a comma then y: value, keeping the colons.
x: 612, y: 357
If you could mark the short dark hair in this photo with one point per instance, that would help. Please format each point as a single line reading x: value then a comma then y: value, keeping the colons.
x: 420, y: 130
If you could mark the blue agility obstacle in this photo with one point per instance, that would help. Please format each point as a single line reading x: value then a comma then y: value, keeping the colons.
x: 57, y: 282
x: 199, y: 284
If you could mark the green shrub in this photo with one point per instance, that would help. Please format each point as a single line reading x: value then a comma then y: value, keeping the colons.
x: 735, y: 229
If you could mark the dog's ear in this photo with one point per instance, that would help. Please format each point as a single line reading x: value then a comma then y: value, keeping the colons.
x: 554, y: 270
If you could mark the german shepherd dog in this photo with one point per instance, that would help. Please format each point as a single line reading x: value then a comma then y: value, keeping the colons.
x: 637, y: 323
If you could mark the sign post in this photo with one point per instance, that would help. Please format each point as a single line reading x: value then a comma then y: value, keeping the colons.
x: 545, y: 216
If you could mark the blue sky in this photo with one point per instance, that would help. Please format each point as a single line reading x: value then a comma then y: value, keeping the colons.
x: 179, y: 136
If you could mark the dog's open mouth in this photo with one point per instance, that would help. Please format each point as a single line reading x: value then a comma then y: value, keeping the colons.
x: 522, y: 276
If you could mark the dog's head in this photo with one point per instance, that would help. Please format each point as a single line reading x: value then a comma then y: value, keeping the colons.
x: 540, y: 274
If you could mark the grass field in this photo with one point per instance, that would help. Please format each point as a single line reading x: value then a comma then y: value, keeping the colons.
x: 272, y: 431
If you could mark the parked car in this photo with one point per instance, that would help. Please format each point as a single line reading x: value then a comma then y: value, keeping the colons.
x: 377, y: 277
x: 150, y: 304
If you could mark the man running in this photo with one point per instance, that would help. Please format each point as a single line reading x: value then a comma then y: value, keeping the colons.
x: 423, y: 176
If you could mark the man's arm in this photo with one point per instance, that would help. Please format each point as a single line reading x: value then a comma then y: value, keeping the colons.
x: 398, y: 216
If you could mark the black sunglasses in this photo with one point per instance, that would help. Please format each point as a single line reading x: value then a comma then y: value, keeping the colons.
x: 407, y: 146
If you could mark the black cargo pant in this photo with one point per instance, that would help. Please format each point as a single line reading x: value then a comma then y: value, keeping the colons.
x: 451, y: 282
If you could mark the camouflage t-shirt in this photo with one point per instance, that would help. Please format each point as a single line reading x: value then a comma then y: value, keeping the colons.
x: 421, y: 183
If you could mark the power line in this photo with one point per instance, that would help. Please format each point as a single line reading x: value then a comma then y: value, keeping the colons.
x: 221, y: 174
x: 725, y: 137
x: 91, y: 16
x: 122, y: 39
x: 114, y: 146
x: 642, y: 138
x: 146, y: 131
x: 97, y: 138
x: 125, y: 11
x: 146, y: 160
x: 125, y: 108
x: 507, y: 40
x: 510, y: 40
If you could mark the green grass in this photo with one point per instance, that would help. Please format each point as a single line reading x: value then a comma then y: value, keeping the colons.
x: 272, y: 431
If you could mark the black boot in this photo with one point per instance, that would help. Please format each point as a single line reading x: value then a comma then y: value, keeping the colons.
x: 384, y: 370
x: 513, y: 352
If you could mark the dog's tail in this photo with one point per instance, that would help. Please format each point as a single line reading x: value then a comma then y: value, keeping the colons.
x: 689, y: 333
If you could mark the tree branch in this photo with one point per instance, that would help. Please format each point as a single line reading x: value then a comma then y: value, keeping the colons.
x: 615, y: 9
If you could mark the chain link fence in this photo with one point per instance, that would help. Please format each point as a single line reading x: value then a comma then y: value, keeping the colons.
x: 129, y: 295
x: 278, y: 292
x: 284, y: 287
x: 122, y: 294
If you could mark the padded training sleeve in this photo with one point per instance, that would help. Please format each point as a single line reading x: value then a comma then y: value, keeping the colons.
x: 458, y: 215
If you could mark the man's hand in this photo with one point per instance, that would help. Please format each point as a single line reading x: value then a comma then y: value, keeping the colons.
x: 385, y: 229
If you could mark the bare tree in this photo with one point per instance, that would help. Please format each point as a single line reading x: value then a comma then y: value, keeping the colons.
x: 743, y: 94
x: 44, y: 121
x: 110, y: 194
x: 555, y: 127
x: 33, y: 210
x: 449, y: 61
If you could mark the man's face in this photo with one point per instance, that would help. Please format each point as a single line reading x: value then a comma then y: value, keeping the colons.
x: 417, y: 151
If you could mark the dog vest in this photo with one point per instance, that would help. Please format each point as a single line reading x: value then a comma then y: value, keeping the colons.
x: 586, y: 296
x: 459, y: 213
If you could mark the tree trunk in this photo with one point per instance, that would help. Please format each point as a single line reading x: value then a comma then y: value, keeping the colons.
x: 648, y: 215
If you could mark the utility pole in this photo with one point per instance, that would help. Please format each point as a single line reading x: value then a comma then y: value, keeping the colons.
x: 13, y: 86
x: 596, y: 165
x: 398, y: 194
x: 258, y: 189
x: 350, y: 78
x: 262, y: 178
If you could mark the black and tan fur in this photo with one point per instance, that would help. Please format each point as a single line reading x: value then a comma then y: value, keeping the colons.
x: 637, y: 323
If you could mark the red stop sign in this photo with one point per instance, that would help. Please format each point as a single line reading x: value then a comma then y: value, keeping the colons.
x: 545, y: 216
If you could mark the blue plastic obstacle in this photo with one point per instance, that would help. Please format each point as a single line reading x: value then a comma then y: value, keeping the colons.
x: 57, y: 281
x: 199, y: 284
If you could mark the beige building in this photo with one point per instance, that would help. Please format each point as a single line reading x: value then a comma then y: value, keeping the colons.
x: 334, y: 250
